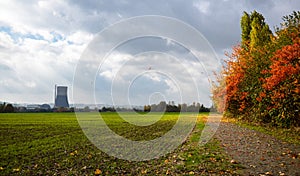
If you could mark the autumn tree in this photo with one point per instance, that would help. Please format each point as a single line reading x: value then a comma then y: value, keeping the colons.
x: 245, y: 64
x: 260, y: 81
x: 259, y: 32
x: 282, y: 82
x: 246, y: 28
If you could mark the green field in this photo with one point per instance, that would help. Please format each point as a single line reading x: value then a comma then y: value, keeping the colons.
x: 54, y: 144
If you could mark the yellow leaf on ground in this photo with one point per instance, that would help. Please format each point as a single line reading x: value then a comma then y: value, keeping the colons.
x: 16, y: 170
x: 192, y: 173
x: 98, y: 172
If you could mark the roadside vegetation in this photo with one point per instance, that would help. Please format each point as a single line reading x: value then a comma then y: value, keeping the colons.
x: 260, y: 81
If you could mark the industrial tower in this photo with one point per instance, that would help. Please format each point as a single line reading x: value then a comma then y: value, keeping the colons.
x: 61, y: 97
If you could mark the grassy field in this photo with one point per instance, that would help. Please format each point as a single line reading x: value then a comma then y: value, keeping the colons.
x: 54, y: 144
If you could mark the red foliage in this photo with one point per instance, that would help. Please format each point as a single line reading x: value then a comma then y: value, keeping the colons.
x: 234, y: 73
x: 284, y: 71
x: 263, y: 83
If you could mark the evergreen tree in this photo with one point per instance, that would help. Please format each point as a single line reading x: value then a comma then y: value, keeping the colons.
x: 245, y: 27
x: 260, y: 33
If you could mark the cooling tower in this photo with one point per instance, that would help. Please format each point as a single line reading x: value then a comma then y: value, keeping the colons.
x: 61, y: 97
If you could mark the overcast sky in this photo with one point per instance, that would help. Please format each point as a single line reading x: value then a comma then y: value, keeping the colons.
x: 41, y: 43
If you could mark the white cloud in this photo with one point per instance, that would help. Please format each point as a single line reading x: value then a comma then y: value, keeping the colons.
x: 175, y: 76
x: 41, y: 42
x: 80, y: 37
x: 202, y: 6
x: 6, y: 41
x: 112, y: 64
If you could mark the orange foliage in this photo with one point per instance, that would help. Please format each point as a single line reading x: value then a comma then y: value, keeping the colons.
x: 285, y: 69
x: 263, y: 82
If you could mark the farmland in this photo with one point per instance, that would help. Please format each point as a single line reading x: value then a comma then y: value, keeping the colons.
x: 53, y: 143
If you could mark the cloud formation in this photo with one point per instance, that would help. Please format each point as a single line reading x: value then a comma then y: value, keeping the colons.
x: 42, y: 41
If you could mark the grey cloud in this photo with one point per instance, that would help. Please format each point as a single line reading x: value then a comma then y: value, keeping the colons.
x: 219, y: 23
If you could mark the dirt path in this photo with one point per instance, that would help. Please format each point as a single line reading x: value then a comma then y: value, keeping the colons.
x: 259, y: 153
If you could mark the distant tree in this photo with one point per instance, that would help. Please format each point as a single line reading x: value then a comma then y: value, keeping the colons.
x: 161, y: 106
x: 109, y: 109
x: 184, y: 107
x: 86, y: 109
x: 137, y: 110
x: 147, y: 108
x: 8, y: 108
x: 2, y: 106
x: 171, y: 107
x: 72, y: 109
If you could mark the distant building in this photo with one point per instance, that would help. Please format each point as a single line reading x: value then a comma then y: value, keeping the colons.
x: 33, y: 106
x: 61, y: 97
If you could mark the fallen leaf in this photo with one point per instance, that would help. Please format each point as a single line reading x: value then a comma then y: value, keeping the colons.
x: 281, y: 173
x: 268, y: 173
x: 191, y: 173
x: 213, y: 159
x: 144, y: 171
x: 16, y: 169
x: 233, y: 162
x: 294, y: 156
x: 98, y: 172
x: 167, y: 173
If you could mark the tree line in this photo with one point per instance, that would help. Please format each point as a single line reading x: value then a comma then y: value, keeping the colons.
x: 260, y: 81
x: 6, y: 108
x: 171, y: 107
x: 161, y: 107
x: 9, y: 108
